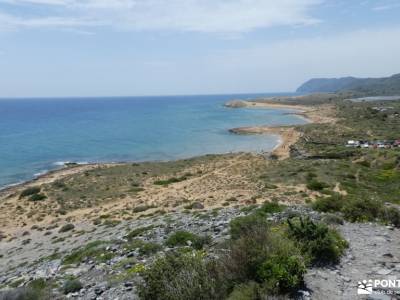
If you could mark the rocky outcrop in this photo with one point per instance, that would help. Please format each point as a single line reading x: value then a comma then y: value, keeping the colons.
x: 236, y: 104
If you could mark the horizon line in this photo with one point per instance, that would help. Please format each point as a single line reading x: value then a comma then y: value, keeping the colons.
x: 140, y: 96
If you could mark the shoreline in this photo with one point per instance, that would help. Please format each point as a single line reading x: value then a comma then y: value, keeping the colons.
x: 288, y: 134
x: 215, y: 169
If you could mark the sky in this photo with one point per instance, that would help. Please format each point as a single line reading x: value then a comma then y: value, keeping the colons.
x: 64, y: 48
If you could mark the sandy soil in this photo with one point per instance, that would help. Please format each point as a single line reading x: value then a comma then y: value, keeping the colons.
x: 227, y: 181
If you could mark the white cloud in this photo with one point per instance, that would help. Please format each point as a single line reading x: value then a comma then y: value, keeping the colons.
x: 284, y: 65
x: 386, y: 7
x: 227, y: 16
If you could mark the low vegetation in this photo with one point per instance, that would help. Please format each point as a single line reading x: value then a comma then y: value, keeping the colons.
x: 184, y: 276
x: 72, y: 286
x: 30, y: 191
x: 318, y: 243
x: 138, y: 232
x: 37, y: 289
x: 66, y: 227
x: 95, y: 250
x: 172, y: 180
x: 260, y: 259
x: 356, y: 209
x: 185, y: 238
x: 37, y: 197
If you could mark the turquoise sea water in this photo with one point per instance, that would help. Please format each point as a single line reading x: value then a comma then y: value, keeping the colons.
x: 37, y: 135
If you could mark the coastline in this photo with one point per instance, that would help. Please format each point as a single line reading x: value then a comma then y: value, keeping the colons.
x: 52, y: 175
x: 112, y: 193
x: 288, y: 134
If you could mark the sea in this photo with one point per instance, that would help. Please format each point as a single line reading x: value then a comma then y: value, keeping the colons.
x: 42, y: 134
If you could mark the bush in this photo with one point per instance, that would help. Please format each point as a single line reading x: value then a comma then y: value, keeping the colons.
x: 37, y: 197
x: 95, y: 250
x: 271, y: 207
x: 316, y: 185
x: 282, y: 272
x: 332, y: 219
x: 333, y: 203
x: 142, y: 208
x: 248, y: 291
x: 149, y: 248
x: 23, y: 293
x: 66, y: 227
x: 317, y: 241
x: 184, y: 238
x: 391, y: 216
x: 243, y: 226
x: 138, y: 231
x: 267, y: 257
x: 361, y: 210
x: 246, y: 253
x: 182, y: 277
x: 72, y: 286
x: 171, y: 180
x: 30, y: 191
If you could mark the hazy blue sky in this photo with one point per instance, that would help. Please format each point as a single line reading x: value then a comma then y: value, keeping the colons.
x: 153, y: 47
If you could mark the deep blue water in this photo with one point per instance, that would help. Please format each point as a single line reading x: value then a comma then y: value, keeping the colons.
x: 37, y: 134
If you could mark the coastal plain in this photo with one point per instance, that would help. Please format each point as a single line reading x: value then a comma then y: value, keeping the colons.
x: 97, y: 222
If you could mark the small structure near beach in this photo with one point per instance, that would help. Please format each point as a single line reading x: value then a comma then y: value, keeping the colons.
x: 386, y: 144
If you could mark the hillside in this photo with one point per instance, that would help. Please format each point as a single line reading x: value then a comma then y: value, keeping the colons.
x: 363, y: 86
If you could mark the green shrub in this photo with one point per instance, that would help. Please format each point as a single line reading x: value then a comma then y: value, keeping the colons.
x: 182, y: 277
x: 267, y: 257
x: 316, y: 185
x: 66, y: 227
x: 138, y: 231
x: 361, y: 210
x: 38, y: 284
x: 142, y: 208
x: 247, y: 291
x: 149, y: 248
x: 243, y: 226
x: 310, y: 176
x: 95, y: 250
x: 282, y: 272
x: 364, y: 163
x: 37, y: 197
x: 317, y: 241
x: 72, y: 286
x: 246, y: 253
x: 271, y: 207
x: 34, y: 290
x: 270, y: 186
x: 171, y: 180
x: 183, y: 238
x: 391, y: 216
x: 333, y: 203
x: 332, y: 219
x: 30, y: 191
x: 23, y: 293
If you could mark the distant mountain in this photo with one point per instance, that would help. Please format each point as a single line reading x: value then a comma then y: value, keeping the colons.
x: 325, y: 85
x: 362, y: 86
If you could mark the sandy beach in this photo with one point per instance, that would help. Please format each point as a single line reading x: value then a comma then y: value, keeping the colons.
x: 288, y: 134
